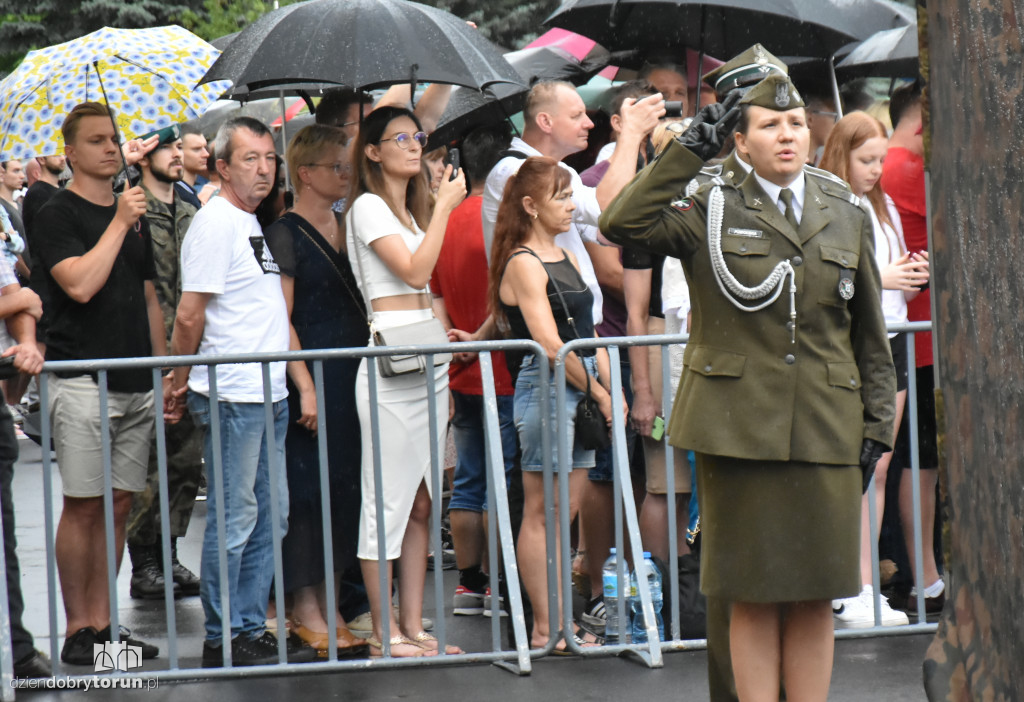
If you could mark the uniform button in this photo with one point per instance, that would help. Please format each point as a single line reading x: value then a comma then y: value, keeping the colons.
x: 743, y: 248
x: 843, y: 261
x: 790, y: 359
x: 853, y: 382
x: 790, y: 326
x: 707, y: 368
x: 797, y: 261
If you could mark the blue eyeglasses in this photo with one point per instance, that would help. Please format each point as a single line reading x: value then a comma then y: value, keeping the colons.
x: 404, y: 140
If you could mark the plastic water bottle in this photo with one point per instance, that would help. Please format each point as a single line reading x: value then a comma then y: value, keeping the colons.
x: 654, y: 583
x: 610, y: 584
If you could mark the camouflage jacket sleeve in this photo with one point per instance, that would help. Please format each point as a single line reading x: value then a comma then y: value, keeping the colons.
x: 643, y: 216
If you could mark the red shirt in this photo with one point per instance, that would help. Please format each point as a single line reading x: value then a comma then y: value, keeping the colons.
x: 903, y: 181
x: 460, y: 277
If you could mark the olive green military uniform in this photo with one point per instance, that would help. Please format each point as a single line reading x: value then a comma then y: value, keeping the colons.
x: 749, y: 391
x: 184, y: 442
x: 722, y: 687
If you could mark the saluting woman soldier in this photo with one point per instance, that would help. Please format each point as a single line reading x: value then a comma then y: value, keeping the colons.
x: 788, y: 392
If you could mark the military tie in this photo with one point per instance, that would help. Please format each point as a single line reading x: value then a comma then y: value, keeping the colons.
x: 786, y: 197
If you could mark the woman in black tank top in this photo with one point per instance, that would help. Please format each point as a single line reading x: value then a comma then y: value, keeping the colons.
x: 528, y: 271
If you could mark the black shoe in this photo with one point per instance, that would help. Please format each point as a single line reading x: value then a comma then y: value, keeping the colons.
x: 34, y: 665
x: 78, y: 647
x: 148, y: 650
x: 212, y: 655
x: 298, y: 650
x: 262, y: 650
x: 184, y: 579
x: 147, y: 574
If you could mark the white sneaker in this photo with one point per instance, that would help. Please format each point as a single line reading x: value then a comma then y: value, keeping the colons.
x: 859, y: 612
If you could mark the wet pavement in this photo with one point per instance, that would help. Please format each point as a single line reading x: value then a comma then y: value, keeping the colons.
x: 881, y: 668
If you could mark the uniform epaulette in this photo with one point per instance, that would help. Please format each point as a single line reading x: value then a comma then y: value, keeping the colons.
x: 843, y: 193
x: 811, y: 170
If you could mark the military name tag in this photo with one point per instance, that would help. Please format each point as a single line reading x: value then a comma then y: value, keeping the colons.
x: 846, y: 285
x: 749, y: 233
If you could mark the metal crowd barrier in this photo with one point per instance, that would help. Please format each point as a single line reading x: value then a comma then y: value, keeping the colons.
x: 625, y: 507
x: 500, y: 540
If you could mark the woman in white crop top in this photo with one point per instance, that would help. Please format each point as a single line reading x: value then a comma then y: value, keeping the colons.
x: 855, y: 150
x: 393, y: 258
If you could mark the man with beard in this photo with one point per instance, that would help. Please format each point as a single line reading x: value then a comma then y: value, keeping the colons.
x: 169, y: 217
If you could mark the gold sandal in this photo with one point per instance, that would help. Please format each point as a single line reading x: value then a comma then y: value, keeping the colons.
x: 377, y: 648
x: 429, y: 642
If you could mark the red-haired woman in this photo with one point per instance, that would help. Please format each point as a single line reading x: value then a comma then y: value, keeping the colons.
x: 527, y: 272
x: 855, y: 151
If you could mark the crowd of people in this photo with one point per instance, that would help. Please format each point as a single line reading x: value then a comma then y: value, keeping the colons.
x: 781, y: 238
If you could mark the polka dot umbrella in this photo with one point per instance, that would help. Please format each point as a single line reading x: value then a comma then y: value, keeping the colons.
x: 148, y: 76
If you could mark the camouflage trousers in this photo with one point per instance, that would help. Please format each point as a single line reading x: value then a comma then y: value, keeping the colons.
x: 184, y: 467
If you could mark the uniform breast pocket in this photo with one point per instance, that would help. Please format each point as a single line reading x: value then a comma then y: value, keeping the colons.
x: 746, y: 245
x: 838, y: 270
x: 715, y: 363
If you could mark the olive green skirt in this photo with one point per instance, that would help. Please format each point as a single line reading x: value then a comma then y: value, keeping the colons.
x: 778, y: 531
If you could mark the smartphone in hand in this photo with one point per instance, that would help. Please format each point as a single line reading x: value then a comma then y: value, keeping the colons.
x: 658, y: 429
x: 453, y: 160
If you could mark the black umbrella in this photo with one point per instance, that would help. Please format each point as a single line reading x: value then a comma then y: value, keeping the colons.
x: 727, y: 27
x: 469, y: 108
x: 363, y: 44
x: 888, y: 54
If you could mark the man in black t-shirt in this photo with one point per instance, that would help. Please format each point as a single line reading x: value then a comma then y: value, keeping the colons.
x: 97, y: 258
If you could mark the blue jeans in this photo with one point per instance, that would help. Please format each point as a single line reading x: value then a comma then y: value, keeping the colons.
x: 247, y: 515
x: 469, y: 489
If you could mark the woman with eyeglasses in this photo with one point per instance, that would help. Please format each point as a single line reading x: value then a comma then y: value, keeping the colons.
x: 325, y: 310
x: 395, y: 240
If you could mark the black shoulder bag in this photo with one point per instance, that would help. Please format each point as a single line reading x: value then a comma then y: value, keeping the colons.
x: 590, y: 428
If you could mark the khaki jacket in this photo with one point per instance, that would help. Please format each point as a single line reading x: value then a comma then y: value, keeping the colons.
x: 748, y: 391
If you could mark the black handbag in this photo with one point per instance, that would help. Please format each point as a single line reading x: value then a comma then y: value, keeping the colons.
x: 590, y: 428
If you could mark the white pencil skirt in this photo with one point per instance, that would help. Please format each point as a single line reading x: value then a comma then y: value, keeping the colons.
x: 404, y: 443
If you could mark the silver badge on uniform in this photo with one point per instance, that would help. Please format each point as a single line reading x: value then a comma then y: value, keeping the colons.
x: 749, y: 233
x: 846, y: 286
x: 782, y: 94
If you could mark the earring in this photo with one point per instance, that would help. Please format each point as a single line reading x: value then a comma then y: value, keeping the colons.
x: 534, y: 215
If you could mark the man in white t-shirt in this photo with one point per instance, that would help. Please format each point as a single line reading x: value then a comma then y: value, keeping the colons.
x: 557, y: 126
x: 231, y: 302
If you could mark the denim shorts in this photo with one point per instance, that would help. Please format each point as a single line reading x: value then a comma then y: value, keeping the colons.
x: 528, y: 416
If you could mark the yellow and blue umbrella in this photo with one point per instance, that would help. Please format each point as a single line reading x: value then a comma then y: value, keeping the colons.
x: 148, y: 76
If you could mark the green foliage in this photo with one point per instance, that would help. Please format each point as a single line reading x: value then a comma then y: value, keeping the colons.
x: 33, y: 24
x: 219, y: 17
x: 511, y: 24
